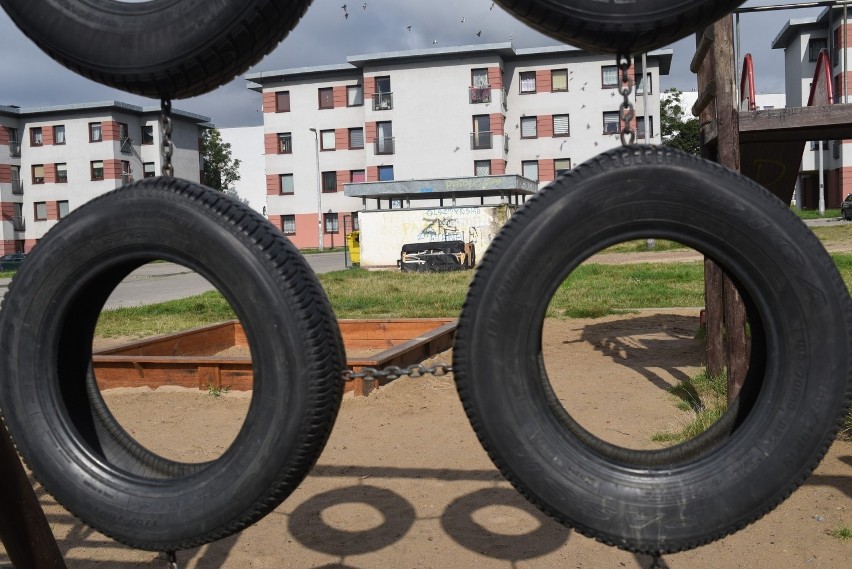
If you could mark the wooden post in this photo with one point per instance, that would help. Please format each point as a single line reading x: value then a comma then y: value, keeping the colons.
x: 728, y: 155
x: 24, y: 529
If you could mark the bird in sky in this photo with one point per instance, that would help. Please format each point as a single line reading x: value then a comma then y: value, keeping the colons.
x: 409, y: 28
x: 463, y: 19
x: 492, y: 7
x: 479, y: 33
x: 364, y: 6
x: 434, y: 42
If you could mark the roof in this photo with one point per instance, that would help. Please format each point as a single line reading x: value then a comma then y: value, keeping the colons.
x: 793, y: 29
x: 13, y: 110
x: 356, y: 63
x: 472, y: 186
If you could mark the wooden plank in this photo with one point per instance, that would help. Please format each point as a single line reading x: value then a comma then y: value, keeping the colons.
x: 797, y: 124
x: 774, y: 165
x: 215, y: 337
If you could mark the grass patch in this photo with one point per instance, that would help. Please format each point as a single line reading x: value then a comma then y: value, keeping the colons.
x: 641, y: 246
x: 165, y: 317
x: 706, y: 397
x: 829, y: 234
x: 814, y: 213
x: 844, y: 266
x: 841, y: 532
x: 214, y: 391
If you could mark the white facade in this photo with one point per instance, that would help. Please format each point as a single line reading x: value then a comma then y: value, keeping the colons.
x: 436, y: 113
x: 826, y: 171
x: 54, y: 159
x: 247, y: 147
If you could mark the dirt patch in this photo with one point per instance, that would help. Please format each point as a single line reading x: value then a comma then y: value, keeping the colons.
x: 404, y: 483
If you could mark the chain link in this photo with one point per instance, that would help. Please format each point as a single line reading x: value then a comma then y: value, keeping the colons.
x: 167, y: 147
x: 394, y: 372
x: 172, y: 560
x: 657, y: 562
x: 626, y: 111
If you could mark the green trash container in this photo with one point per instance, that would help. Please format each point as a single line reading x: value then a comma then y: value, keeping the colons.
x: 353, y: 242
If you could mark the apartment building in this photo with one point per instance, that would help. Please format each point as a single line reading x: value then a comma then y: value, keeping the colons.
x: 485, y: 110
x: 826, y: 171
x: 54, y: 159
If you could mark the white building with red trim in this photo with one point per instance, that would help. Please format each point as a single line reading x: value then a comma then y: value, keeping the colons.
x: 54, y: 159
x: 435, y: 113
x: 802, y: 40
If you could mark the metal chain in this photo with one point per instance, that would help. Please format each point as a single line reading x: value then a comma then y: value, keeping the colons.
x: 394, y: 372
x: 657, y: 562
x: 626, y: 112
x: 172, y: 560
x: 167, y: 147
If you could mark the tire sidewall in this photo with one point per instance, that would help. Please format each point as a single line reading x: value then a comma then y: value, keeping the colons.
x: 270, y: 442
x: 769, y: 253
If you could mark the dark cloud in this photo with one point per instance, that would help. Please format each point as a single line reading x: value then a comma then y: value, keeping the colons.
x: 325, y: 36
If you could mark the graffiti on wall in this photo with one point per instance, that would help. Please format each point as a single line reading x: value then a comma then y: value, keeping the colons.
x: 469, y: 224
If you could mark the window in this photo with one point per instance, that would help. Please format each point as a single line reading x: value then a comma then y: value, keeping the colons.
x: 282, y: 101
x: 481, y: 136
x: 326, y: 98
x: 356, y: 138
x: 358, y: 176
x: 97, y: 167
x: 561, y: 125
x: 329, y: 182
x: 288, y: 224
x: 286, y: 184
x: 640, y: 127
x: 285, y: 143
x: 62, y: 173
x: 63, y: 208
x: 640, y: 83
x: 611, y: 122
x: 35, y: 136
x: 559, y: 80
x: 527, y: 81
x: 126, y: 178
x: 561, y: 165
x: 529, y: 169
x: 148, y: 170
x: 13, y: 134
x: 40, y: 211
x: 59, y: 134
x: 529, y: 127
x: 482, y: 167
x: 95, y: 134
x: 327, y: 139
x: 609, y: 76
x: 330, y: 223
x: 383, y: 98
x: 479, y: 78
x: 147, y: 134
x: 354, y: 96
x: 385, y: 173
x: 38, y: 173
x: 384, y: 138
x: 816, y: 45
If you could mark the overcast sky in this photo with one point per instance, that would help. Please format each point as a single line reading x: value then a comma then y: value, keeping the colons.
x: 325, y: 36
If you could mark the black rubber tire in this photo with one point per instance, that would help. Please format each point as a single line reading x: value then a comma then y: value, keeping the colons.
x: 612, y: 26
x: 68, y: 437
x: 161, y: 48
x: 800, y: 377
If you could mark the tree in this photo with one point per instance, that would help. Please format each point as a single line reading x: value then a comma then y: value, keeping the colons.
x: 221, y: 170
x: 677, y: 129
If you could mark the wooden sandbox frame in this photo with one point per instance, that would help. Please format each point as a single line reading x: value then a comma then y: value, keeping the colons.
x: 189, y: 358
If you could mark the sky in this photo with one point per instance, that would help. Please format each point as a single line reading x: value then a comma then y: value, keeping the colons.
x: 325, y: 36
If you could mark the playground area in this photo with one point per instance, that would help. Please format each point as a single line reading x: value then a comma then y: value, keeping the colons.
x: 403, y: 481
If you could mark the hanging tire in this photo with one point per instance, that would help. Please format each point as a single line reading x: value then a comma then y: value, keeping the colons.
x: 799, y: 383
x: 159, y: 48
x: 612, y: 26
x: 54, y: 411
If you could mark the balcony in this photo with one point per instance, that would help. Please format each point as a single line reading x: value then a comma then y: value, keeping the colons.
x: 480, y: 140
x: 126, y: 178
x: 382, y: 101
x: 17, y: 188
x: 18, y: 223
x: 384, y: 145
x: 479, y: 95
x: 126, y: 145
x: 15, y: 149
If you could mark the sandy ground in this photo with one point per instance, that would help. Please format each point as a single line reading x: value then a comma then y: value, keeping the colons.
x: 403, y: 482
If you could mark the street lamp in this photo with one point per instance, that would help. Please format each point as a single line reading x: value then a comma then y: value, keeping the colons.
x: 319, y: 190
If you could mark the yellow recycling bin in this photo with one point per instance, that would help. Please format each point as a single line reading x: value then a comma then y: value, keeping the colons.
x: 353, y: 242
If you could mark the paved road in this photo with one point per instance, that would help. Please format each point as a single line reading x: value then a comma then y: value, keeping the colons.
x: 159, y: 282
